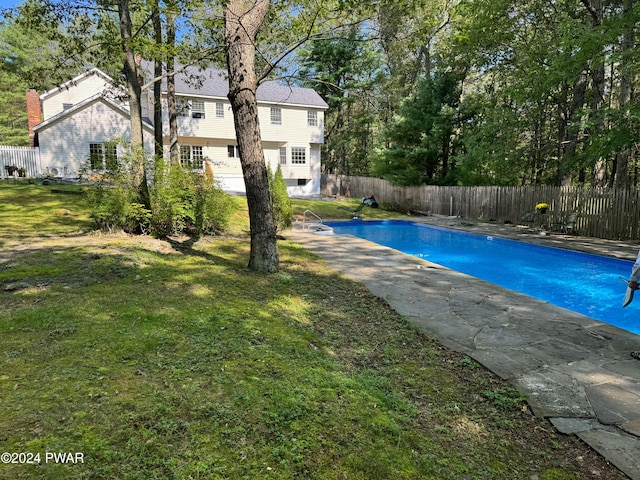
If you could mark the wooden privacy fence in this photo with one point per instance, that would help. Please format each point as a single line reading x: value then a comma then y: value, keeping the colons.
x: 601, y: 212
x: 20, y: 157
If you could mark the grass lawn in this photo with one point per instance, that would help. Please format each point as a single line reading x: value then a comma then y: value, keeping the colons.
x: 341, y: 209
x: 169, y: 360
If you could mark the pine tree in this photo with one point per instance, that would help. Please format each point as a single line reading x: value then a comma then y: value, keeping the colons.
x: 13, y: 114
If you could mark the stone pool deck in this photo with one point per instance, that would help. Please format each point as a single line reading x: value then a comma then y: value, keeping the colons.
x: 574, y: 370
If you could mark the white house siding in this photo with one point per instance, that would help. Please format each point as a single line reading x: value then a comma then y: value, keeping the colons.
x: 146, y: 104
x: 64, y: 144
x: 72, y: 93
x: 231, y: 183
x: 294, y: 127
x: 300, y: 179
x: 215, y: 134
x: 209, y: 127
x: 218, y: 154
x: 304, y: 180
x: 313, y: 188
x: 213, y: 149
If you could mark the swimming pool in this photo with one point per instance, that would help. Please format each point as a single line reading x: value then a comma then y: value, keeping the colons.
x: 584, y: 283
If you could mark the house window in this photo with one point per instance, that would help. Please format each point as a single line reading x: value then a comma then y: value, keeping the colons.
x: 298, y: 155
x: 110, y: 156
x: 191, y: 157
x: 197, y: 157
x: 276, y: 116
x: 103, y: 156
x: 283, y: 155
x: 67, y: 106
x: 182, y: 107
x: 232, y: 151
x: 219, y: 110
x: 312, y: 118
x: 197, y: 109
x: 95, y: 156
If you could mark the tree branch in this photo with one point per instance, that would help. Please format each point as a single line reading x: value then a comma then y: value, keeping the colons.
x: 178, y: 71
x: 592, y: 12
x: 328, y: 34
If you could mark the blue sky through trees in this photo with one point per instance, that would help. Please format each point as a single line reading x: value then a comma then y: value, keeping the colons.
x: 9, y: 3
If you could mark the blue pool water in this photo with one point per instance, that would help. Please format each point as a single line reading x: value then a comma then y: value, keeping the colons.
x: 584, y: 283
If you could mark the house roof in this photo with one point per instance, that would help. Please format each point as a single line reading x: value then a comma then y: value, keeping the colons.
x: 74, y: 81
x: 212, y: 82
x: 98, y: 97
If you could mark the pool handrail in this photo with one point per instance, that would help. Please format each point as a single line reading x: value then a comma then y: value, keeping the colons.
x: 304, y: 218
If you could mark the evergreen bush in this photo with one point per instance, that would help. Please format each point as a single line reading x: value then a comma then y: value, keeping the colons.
x: 280, y: 201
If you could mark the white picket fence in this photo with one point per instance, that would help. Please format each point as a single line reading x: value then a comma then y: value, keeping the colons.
x: 20, y: 157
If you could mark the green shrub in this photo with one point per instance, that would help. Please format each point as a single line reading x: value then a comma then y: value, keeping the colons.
x: 182, y: 202
x: 214, y: 208
x: 187, y: 202
x: 113, y: 202
x: 172, y: 200
x: 280, y: 201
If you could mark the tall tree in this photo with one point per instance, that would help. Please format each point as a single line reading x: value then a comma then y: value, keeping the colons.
x: 408, y: 31
x: 526, y: 57
x: 421, y: 136
x: 344, y: 71
x: 172, y: 105
x: 621, y: 177
x: 132, y: 76
x: 243, y: 20
x: 13, y: 115
x: 158, y: 71
x: 36, y: 46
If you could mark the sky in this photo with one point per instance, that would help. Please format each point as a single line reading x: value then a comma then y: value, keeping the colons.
x: 9, y: 3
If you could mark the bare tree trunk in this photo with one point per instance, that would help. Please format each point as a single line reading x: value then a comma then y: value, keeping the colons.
x: 172, y: 107
x: 596, y: 12
x: 243, y: 20
x: 568, y: 131
x: 598, y: 174
x: 157, y: 92
x: 628, y: 41
x: 135, y: 108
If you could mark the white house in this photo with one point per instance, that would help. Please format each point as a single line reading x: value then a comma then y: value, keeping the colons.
x: 85, y: 118
x: 83, y: 122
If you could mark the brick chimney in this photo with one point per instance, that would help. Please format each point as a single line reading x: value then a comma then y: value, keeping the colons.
x: 34, y: 114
